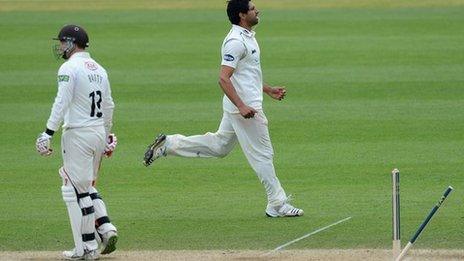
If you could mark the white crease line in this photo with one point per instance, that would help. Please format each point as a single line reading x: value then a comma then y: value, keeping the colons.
x: 310, y: 234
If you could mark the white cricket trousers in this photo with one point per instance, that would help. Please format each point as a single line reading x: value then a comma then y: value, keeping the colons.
x: 253, y: 137
x: 82, y: 149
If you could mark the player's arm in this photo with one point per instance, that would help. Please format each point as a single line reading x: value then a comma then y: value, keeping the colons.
x: 61, y: 104
x: 63, y: 98
x: 229, y: 90
x: 276, y: 92
x: 232, y: 52
x: 107, y: 109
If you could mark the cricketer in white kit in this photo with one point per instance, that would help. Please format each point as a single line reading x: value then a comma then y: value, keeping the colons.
x: 243, y: 118
x: 85, y: 107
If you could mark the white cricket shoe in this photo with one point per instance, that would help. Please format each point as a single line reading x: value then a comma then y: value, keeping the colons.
x: 284, y: 210
x: 73, y: 255
x: 109, y: 240
x: 155, y: 150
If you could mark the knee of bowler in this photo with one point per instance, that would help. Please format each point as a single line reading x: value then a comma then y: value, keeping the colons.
x: 222, y: 150
x: 224, y: 146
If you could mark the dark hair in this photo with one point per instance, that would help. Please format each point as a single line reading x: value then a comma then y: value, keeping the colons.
x: 235, y: 7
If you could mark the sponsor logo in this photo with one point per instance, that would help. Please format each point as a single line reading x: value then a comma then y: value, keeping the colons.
x: 228, y: 57
x: 91, y: 66
x: 63, y: 78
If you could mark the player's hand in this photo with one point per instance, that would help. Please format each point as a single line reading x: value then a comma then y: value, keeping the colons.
x: 110, y: 146
x: 247, y: 112
x: 42, y: 144
x: 277, y: 93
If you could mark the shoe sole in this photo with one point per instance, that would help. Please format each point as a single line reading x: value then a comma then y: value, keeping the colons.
x: 270, y: 216
x: 159, y: 141
x: 111, y: 246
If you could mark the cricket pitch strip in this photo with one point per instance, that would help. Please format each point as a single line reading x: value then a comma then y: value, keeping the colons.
x: 313, y: 254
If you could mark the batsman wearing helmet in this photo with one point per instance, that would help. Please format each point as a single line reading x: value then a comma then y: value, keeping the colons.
x: 243, y: 120
x: 85, y: 107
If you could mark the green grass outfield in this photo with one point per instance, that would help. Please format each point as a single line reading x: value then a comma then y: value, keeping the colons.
x: 372, y: 85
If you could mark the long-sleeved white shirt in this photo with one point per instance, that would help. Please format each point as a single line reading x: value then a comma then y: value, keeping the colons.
x: 84, y: 95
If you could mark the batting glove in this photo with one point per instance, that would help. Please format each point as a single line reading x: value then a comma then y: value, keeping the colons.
x: 111, y: 143
x: 43, y: 144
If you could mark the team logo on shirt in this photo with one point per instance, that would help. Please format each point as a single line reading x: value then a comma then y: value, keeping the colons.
x: 91, y: 66
x: 63, y: 78
x: 228, y: 57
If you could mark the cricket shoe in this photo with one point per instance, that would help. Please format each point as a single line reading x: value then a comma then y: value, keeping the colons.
x: 73, y: 255
x: 109, y: 240
x: 155, y: 150
x: 284, y: 210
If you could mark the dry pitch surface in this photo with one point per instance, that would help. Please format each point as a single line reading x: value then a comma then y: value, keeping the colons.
x: 326, y: 254
x: 335, y: 254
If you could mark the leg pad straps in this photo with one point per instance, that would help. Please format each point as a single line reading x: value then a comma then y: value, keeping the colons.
x: 88, y: 237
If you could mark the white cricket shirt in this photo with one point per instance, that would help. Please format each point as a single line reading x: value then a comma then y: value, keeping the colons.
x: 84, y: 95
x: 240, y: 51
